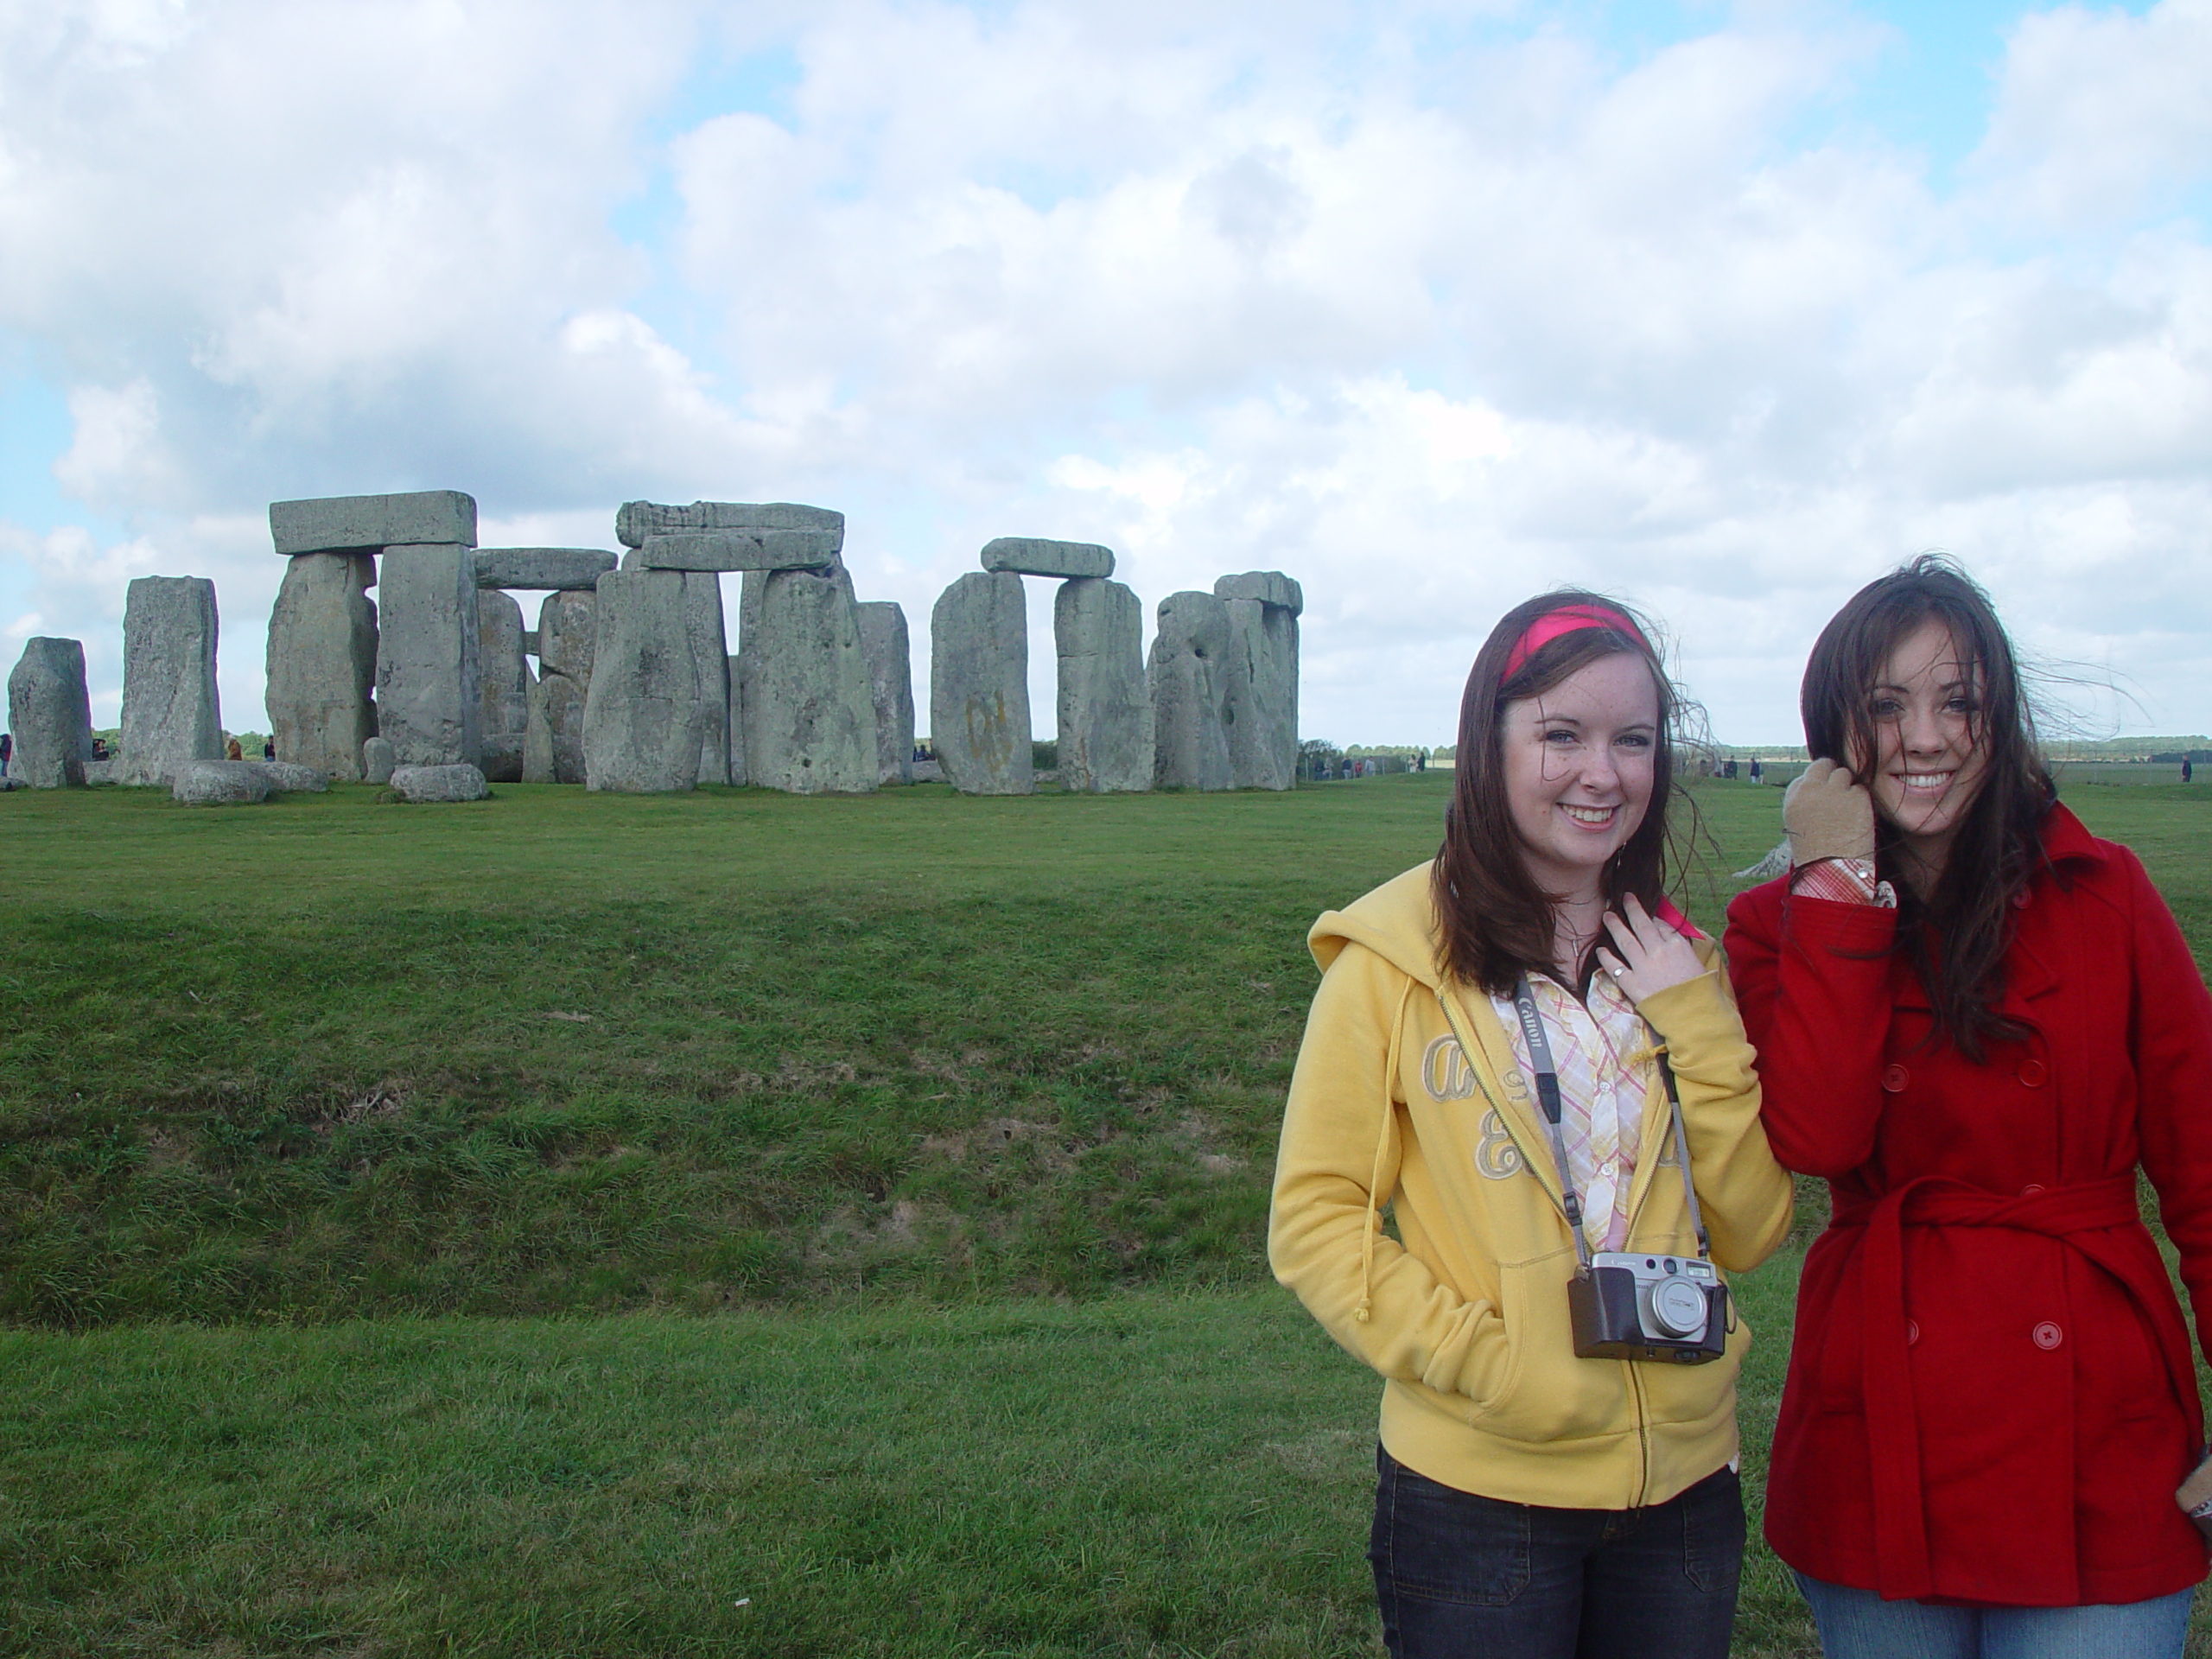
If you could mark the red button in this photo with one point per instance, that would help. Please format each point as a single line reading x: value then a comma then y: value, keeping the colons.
x: 1911, y: 1331
x: 2032, y: 1072
x: 2021, y: 900
x: 2031, y: 1189
x: 2047, y: 1335
x: 1895, y: 1079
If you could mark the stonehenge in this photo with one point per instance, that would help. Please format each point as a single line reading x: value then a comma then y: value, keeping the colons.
x: 458, y: 782
x: 171, y: 713
x: 635, y: 688
x: 50, y: 712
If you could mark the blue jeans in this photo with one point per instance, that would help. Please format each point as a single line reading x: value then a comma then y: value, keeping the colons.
x: 1859, y: 1624
x: 1458, y: 1575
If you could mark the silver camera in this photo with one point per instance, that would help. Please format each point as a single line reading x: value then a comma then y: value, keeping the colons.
x: 1625, y: 1306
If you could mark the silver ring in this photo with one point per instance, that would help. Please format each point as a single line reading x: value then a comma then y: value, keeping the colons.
x: 1617, y: 972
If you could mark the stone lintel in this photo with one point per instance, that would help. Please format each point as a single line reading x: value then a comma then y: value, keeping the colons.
x: 1268, y: 586
x: 1034, y: 556
x: 368, y: 524
x: 543, y: 569
x: 738, y: 549
x: 636, y: 521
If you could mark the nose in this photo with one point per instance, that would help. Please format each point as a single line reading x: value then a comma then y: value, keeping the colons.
x: 1922, y: 732
x: 1599, y: 771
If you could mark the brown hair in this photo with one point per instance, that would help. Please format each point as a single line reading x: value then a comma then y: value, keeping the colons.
x: 1494, y: 920
x: 1998, y: 844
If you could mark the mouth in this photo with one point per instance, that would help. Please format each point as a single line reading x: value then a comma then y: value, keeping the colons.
x: 1925, y: 783
x: 1594, y: 818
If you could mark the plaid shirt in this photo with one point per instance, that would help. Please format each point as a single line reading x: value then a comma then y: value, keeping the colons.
x: 1603, y: 1051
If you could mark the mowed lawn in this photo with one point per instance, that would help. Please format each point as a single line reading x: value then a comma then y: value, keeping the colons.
x: 724, y: 1223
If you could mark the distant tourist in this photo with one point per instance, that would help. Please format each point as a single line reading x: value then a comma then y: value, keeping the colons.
x: 1979, y: 1023
x: 1757, y: 770
x: 7, y: 751
x: 99, y: 748
x: 268, y: 749
x: 235, y: 751
x: 2188, y: 772
x: 1542, y: 1488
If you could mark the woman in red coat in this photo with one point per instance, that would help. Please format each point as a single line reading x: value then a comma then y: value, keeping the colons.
x: 1978, y: 1021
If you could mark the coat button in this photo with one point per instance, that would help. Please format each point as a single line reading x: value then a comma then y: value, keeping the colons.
x: 1895, y: 1079
x: 2047, y: 1335
x: 1911, y: 1331
x: 2021, y: 900
x: 2031, y: 1189
x: 2032, y: 1072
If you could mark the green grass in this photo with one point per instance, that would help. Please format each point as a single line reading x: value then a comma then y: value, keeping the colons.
x: 955, y: 1116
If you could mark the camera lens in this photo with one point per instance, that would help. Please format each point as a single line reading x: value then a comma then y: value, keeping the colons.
x: 1678, y: 1308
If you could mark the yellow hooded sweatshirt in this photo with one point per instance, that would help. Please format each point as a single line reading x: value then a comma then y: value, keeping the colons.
x: 1408, y: 1094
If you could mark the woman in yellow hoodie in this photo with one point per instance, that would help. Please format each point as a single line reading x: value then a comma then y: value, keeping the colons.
x: 1512, y: 1047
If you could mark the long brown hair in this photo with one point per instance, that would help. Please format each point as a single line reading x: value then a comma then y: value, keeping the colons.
x: 1998, y: 844
x: 1495, y: 920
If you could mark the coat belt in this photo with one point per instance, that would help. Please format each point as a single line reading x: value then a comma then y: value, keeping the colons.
x: 2080, y: 1217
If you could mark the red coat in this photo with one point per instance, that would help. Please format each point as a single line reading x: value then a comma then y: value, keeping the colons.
x: 1991, y: 1396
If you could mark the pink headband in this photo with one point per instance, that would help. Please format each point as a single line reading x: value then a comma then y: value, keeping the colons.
x: 1568, y: 618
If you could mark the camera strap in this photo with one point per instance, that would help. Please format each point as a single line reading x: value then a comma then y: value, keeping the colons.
x: 1539, y: 1062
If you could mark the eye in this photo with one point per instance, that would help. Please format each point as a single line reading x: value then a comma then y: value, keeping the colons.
x: 1635, y: 740
x: 1885, y: 709
x: 1561, y: 735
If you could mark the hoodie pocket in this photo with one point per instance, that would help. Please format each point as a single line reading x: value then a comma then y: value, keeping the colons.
x: 1546, y: 1393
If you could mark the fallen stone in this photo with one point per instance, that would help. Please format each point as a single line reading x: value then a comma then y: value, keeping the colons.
x: 891, y: 689
x: 322, y: 661
x: 171, y: 713
x: 560, y: 568
x: 429, y: 689
x: 1268, y: 586
x: 51, y: 714
x: 1031, y: 556
x: 637, y: 521
x: 703, y: 622
x: 287, y: 778
x: 377, y: 760
x: 1260, y: 694
x: 504, y: 682
x: 1184, y: 672
x: 1105, y: 706
x: 641, y: 712
x: 220, y: 783
x: 100, y: 772
x: 367, y: 523
x: 979, y: 685
x: 808, y: 714
x: 740, y: 549
x: 425, y: 784
x: 566, y: 624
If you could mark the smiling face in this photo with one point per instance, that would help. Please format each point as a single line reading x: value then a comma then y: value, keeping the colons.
x: 1931, y: 754
x: 1578, y: 767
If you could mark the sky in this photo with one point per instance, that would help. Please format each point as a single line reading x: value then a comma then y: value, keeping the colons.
x: 1726, y: 309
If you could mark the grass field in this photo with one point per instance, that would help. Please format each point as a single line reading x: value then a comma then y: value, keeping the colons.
x: 952, y: 1117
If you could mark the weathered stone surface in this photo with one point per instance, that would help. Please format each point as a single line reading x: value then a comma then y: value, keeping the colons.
x: 322, y: 661
x: 378, y: 760
x: 738, y: 774
x: 100, y: 771
x: 738, y: 549
x: 504, y: 681
x: 553, y: 743
x: 1105, y: 706
x: 365, y: 524
x: 286, y: 778
x: 1032, y: 556
x: 455, y: 782
x: 566, y: 625
x: 891, y: 688
x: 569, y: 569
x: 810, y: 717
x: 429, y: 700
x: 641, y: 712
x: 530, y: 642
x: 1260, y: 700
x: 703, y: 622
x: 1190, y: 740
x: 1268, y: 586
x: 170, y: 710
x: 220, y: 783
x: 636, y: 521
x: 979, y: 685
x: 50, y: 712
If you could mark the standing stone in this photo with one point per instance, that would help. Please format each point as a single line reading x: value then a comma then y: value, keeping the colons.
x: 979, y: 685
x: 641, y: 714
x: 376, y: 762
x: 1105, y: 707
x: 890, y: 685
x: 1260, y: 698
x: 171, y: 713
x: 504, y: 681
x: 565, y: 625
x: 1190, y: 738
x: 739, y: 776
x: 809, y: 716
x: 322, y: 661
x: 553, y: 742
x: 430, y: 698
x: 702, y: 621
x: 50, y: 712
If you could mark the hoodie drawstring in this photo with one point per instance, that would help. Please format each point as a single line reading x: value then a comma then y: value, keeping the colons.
x: 1365, y: 1310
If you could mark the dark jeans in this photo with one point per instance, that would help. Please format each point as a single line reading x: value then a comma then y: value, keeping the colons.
x: 1461, y: 1575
